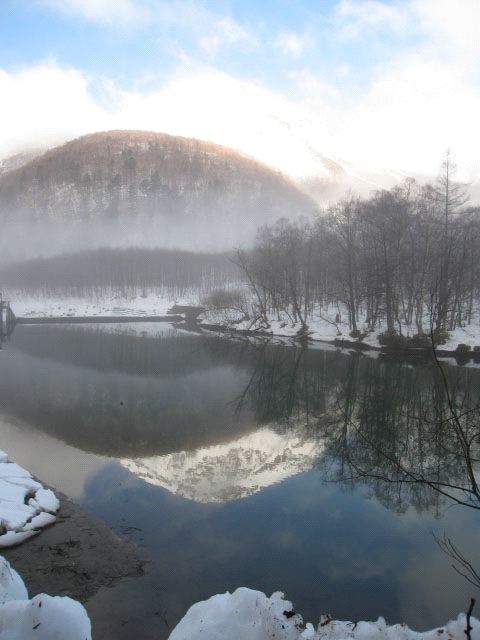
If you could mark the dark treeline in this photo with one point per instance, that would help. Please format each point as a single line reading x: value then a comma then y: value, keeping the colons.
x: 389, y: 259
x: 129, y: 271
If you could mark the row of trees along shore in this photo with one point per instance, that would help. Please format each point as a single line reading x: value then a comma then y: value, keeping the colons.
x: 129, y: 271
x: 387, y: 260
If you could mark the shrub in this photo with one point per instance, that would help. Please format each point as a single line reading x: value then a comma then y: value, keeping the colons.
x: 227, y: 306
x: 463, y: 348
x: 357, y: 334
x: 393, y: 340
x: 440, y: 337
x: 420, y: 341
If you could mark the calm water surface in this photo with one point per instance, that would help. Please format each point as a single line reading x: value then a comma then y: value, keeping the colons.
x: 229, y: 463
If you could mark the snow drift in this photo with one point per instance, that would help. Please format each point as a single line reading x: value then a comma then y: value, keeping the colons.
x: 246, y: 614
x: 42, y: 617
x: 25, y: 506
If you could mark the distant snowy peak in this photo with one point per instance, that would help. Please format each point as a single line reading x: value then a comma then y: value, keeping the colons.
x: 227, y: 472
x: 343, y: 179
x: 307, y: 151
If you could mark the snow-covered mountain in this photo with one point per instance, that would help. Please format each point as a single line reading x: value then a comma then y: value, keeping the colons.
x: 125, y: 188
x: 81, y: 175
x: 133, y: 172
x: 344, y: 179
x: 226, y: 472
x: 306, y: 149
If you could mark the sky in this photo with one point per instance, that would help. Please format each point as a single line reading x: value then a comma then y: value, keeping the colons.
x: 379, y: 85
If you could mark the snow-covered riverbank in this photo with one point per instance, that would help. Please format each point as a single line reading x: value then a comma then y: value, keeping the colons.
x: 332, y: 328
x: 26, y: 506
x: 250, y: 615
x: 111, y: 304
x: 327, y: 325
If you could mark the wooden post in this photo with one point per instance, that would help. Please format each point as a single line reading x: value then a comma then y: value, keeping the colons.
x: 7, y: 319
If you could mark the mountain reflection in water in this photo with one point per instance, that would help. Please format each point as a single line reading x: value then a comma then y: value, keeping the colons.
x: 255, y: 464
x: 224, y: 472
x: 213, y: 419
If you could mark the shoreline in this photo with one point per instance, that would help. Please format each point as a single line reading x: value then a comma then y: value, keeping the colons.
x: 76, y: 556
x: 96, y: 319
x: 179, y: 321
x: 305, y: 341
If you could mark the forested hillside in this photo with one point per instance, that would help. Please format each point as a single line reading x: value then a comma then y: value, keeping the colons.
x: 136, y: 187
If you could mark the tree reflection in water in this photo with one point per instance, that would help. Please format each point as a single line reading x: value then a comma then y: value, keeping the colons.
x: 410, y: 434
x: 387, y: 425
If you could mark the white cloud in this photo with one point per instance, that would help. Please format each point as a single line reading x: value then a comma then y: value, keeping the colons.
x: 224, y: 31
x: 359, y: 17
x: 415, y: 109
x: 294, y: 44
x: 413, y: 106
x: 108, y: 12
x: 343, y: 70
x: 425, y: 96
x: 451, y: 27
x: 209, y: 30
x: 210, y: 105
x: 44, y: 105
x: 48, y: 104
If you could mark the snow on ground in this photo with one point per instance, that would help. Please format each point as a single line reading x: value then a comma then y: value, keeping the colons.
x: 327, y: 325
x: 230, y: 471
x: 247, y: 614
x: 25, y: 506
x: 463, y: 335
x: 42, y: 617
x: 111, y: 304
x: 11, y: 584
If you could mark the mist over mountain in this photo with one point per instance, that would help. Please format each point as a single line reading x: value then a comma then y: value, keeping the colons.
x: 126, y: 188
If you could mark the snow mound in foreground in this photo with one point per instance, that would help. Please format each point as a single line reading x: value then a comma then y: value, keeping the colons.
x: 243, y: 614
x: 25, y: 506
x: 250, y: 615
x: 11, y: 584
x: 42, y: 617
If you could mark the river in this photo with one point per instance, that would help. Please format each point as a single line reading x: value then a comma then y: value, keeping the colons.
x: 235, y: 463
